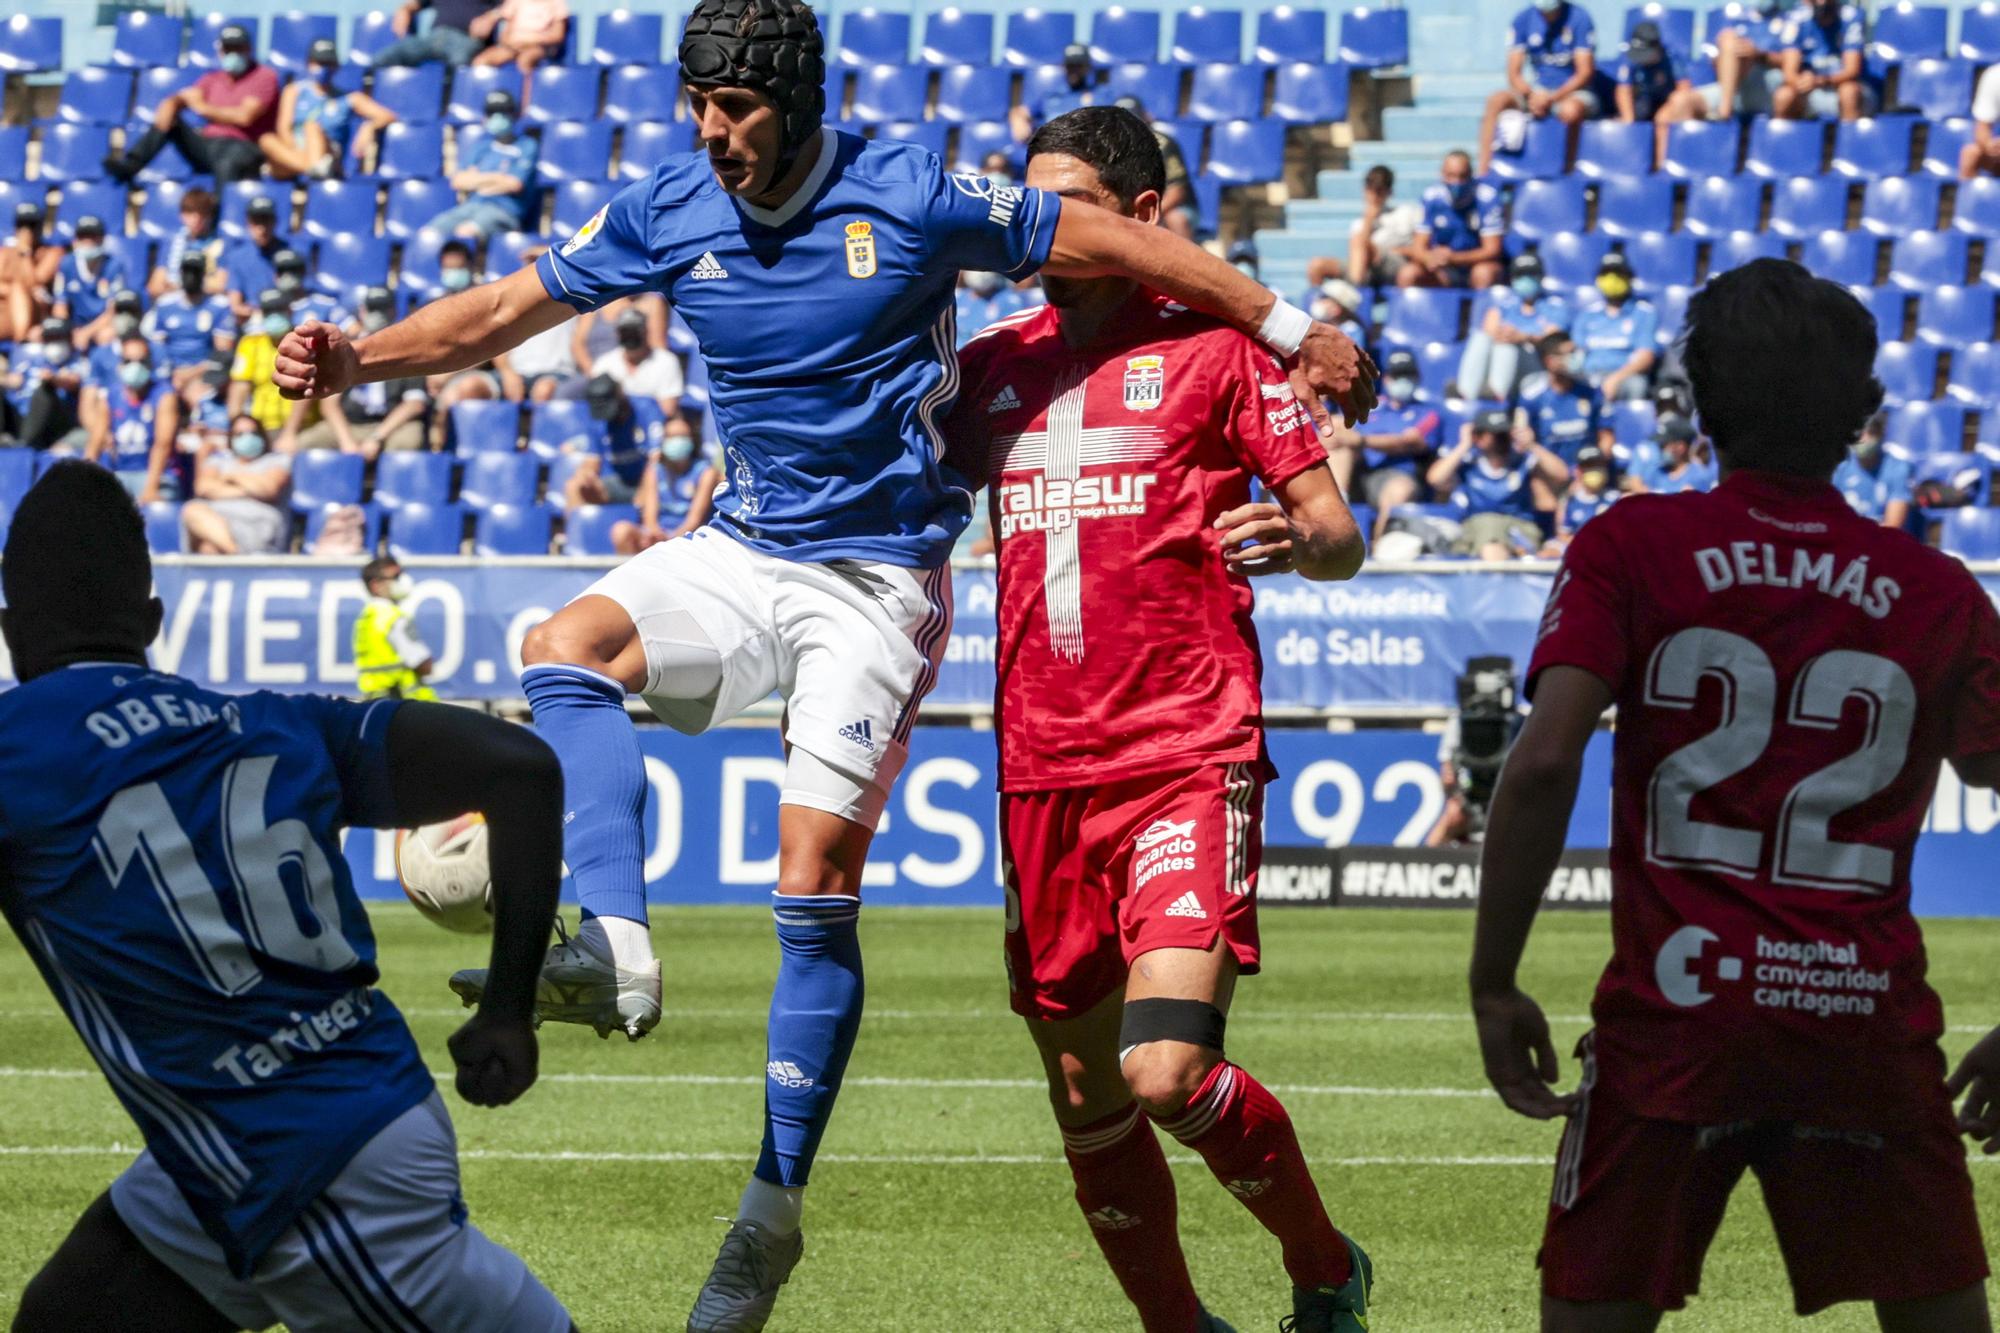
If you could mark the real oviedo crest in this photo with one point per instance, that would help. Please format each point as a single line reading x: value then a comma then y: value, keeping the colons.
x: 860, y: 250
x: 1145, y: 382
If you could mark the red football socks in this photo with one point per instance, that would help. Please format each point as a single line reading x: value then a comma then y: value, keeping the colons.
x: 1126, y: 1192
x: 1246, y: 1138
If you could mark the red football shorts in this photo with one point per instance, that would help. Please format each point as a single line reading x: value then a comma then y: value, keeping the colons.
x: 1859, y: 1217
x: 1097, y: 876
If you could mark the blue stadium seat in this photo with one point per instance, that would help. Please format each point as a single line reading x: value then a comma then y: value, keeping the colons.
x: 1975, y: 377
x: 1908, y: 371
x: 1906, y: 31
x: 1570, y: 259
x: 1807, y: 205
x: 201, y: 37
x: 1437, y: 362
x: 411, y: 152
x: 1952, y: 315
x: 413, y: 203
x: 417, y: 275
x: 233, y: 205
x: 426, y: 529
x: 973, y: 92
x: 95, y: 95
x: 1307, y: 94
x: 1290, y: 33
x: 1873, y: 147
x: 469, y: 85
x: 1189, y: 132
x: 412, y: 477
x: 1676, y: 26
x: 1979, y: 32
x: 1202, y: 34
x: 1978, y: 209
x: 74, y: 152
x: 146, y: 37
x: 1785, y: 147
x: 18, y: 469
x: 159, y: 216
x: 872, y: 37
x: 649, y: 141
x: 575, y: 151
x: 890, y: 92
x: 334, y: 207
x: 293, y: 34
x: 163, y: 525
x: 642, y: 92
x: 1937, y: 89
x: 978, y: 138
x: 564, y: 92
x: 350, y: 260
x: 1375, y: 38
x: 626, y: 38
x: 1038, y: 36
x: 316, y: 521
x: 500, y: 479
x: 1639, y: 204
x: 1039, y: 81
x: 1419, y: 315
x: 153, y: 86
x: 1724, y: 204
x: 1889, y: 305
x: 105, y: 199
x: 1609, y: 148
x: 1922, y: 259
x: 1925, y: 427
x: 507, y: 529
x: 1227, y: 92
x: 1971, y: 533
x: 955, y: 36
x: 1542, y: 153
x: 372, y: 31
x: 1158, y: 88
x: 560, y: 424
x: 1895, y: 205
x: 1542, y: 208
x: 835, y: 88
x: 30, y: 44
x: 587, y: 528
x: 1846, y: 257
x: 1740, y: 247
x: 1631, y: 423
x: 133, y: 253
x: 1121, y: 35
x: 14, y: 152
x: 1697, y: 148
x: 325, y: 477
x: 1247, y: 152
x: 928, y: 134
x: 1661, y: 259
x: 578, y: 201
x: 485, y: 425
x: 1942, y: 144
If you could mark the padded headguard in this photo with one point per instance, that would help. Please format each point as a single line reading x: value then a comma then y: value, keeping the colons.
x: 772, y: 46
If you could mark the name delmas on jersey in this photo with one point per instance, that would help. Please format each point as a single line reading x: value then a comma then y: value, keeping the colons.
x: 1166, y: 846
x: 1749, y: 564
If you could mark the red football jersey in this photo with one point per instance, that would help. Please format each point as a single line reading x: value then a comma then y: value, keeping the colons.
x: 1126, y: 646
x: 1789, y: 677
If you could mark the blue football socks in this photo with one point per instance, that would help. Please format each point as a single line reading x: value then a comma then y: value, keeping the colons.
x: 815, y: 1015
x: 582, y: 716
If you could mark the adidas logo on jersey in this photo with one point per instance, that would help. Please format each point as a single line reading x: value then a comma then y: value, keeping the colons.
x: 788, y: 1075
x: 1161, y: 830
x: 1004, y: 401
x: 1110, y: 1219
x: 708, y: 268
x: 861, y: 733
x: 1186, y: 905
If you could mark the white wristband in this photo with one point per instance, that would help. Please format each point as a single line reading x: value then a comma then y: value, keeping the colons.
x: 1285, y: 328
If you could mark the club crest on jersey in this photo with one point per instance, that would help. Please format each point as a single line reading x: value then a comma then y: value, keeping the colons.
x: 1145, y: 382
x: 860, y: 250
x: 585, y: 232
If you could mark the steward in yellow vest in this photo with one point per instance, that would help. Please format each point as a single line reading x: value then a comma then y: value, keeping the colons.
x: 390, y: 661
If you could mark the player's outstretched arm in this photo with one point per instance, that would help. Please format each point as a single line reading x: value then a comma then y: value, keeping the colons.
x: 1096, y: 242
x: 445, y: 762
x: 1524, y: 838
x: 317, y: 360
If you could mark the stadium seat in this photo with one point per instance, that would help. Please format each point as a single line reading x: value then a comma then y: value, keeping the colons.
x: 560, y: 425
x: 325, y: 477
x: 1542, y: 153
x: 1942, y: 142
x: 1785, y: 147
x: 417, y: 275
x: 1609, y: 148
x: 163, y: 525
x: 1935, y: 89
x: 510, y: 529
x: 412, y: 477
x: 1924, y: 427
x: 485, y: 425
x: 574, y: 151
x: 336, y: 207
x: 133, y: 253
x: 890, y: 92
x: 927, y: 134
x: 1979, y: 32
x: 1306, y: 94
x: 372, y: 31
x: 1807, y: 205
x: 1375, y: 38
x: 426, y: 529
x: 1908, y: 371
x: 18, y: 470
x: 316, y: 521
x: 1971, y: 533
x: 1849, y: 258
x: 1631, y: 423
x: 872, y: 37
x: 976, y: 139
x: 95, y: 95
x: 105, y: 199
x: 587, y: 528
x: 1661, y: 259
x: 348, y: 261
x: 1202, y: 34
x: 1905, y: 32
x: 1437, y: 362
x: 1889, y: 305
x: 564, y: 93
x: 1627, y: 207
x: 154, y: 85
x: 1542, y: 208
x: 1724, y: 204
x: 578, y: 201
x: 642, y: 92
x: 1158, y: 88
x: 1037, y: 36
x: 973, y: 92
x: 1290, y: 33
x: 469, y: 85
x: 1570, y: 260
x: 1246, y: 152
x: 1676, y: 26
x: 1873, y: 147
x: 624, y: 37
x: 292, y: 35
x: 13, y: 153
x: 1738, y: 248
x: 957, y: 37
x: 1698, y: 148
x: 411, y: 152
x: 649, y: 141
x: 1670, y: 305
x: 30, y: 44
x: 1122, y: 35
x: 1922, y: 259
x: 159, y: 216
x: 1039, y: 81
x: 74, y: 152
x: 1952, y: 315
x: 147, y: 37
x: 500, y: 479
x: 413, y: 203
x: 1975, y: 377
x: 233, y: 205
x: 201, y: 37
x: 1227, y: 92
x: 1419, y: 315
x: 1897, y: 204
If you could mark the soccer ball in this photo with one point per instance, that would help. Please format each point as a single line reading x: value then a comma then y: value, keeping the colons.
x: 444, y: 871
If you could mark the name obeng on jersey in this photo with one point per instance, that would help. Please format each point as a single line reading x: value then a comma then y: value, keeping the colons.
x: 1056, y: 504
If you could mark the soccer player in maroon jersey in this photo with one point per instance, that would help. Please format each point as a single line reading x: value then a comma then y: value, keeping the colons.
x: 1120, y: 434
x: 1789, y: 678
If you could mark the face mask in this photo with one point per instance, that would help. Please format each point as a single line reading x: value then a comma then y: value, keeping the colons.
x: 1461, y: 194
x: 1573, y: 363
x: 372, y: 320
x: 321, y: 74
x: 124, y: 324
x: 455, y: 279
x: 1595, y: 479
x: 85, y: 252
x: 277, y: 326
x: 983, y: 281
x: 677, y: 448
x: 400, y: 588
x: 1865, y: 449
x: 1549, y: 6
x: 1527, y: 288
x: 1247, y: 267
x: 290, y: 282
x: 499, y: 126
x: 234, y: 63
x: 1000, y: 177
x: 134, y: 374
x: 1400, y: 388
x: 1615, y: 286
x: 56, y: 352
x: 247, y: 445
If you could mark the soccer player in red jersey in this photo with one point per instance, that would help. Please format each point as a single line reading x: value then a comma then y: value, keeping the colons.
x: 1789, y: 678
x: 1120, y: 434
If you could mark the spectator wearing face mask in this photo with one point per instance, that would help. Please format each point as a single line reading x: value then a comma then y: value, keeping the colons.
x: 641, y: 369
x: 1563, y: 414
x: 1749, y: 59
x: 1592, y: 490
x: 302, y: 302
x: 1824, y: 76
x: 1652, y: 86
x: 474, y: 383
x: 44, y: 387
x: 252, y: 390
x: 1551, y: 58
x: 319, y: 126
x: 1511, y: 319
x: 1385, y: 229
x: 1875, y: 481
x: 240, y: 488
x: 1498, y: 482
x: 85, y: 281
x: 1619, y: 335
x: 1673, y: 463
x: 676, y: 494
x: 188, y: 326
x: 197, y: 234
x: 27, y: 273
x: 1079, y: 90
x: 1338, y: 302
x: 1243, y: 254
x: 368, y: 418
x: 390, y: 660
x: 1377, y: 461
x: 984, y: 296
x: 1463, y: 234
x: 615, y: 459
x: 250, y: 263
x: 239, y: 102
x: 100, y: 363
x: 134, y: 433
x: 495, y: 177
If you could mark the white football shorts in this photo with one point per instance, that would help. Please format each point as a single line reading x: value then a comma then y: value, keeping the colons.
x: 852, y: 646
x: 386, y: 1246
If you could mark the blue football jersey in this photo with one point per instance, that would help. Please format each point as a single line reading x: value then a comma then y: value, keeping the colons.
x: 828, y: 330
x: 1580, y: 506
x: 1564, y: 420
x: 1870, y: 491
x: 86, y: 294
x: 1485, y: 489
x: 1824, y: 47
x: 183, y: 331
x: 174, y: 869
x: 1610, y: 337
x: 1458, y: 220
x: 1552, y: 41
x: 133, y: 420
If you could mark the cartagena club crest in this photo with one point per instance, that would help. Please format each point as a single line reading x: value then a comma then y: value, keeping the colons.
x: 860, y: 250
x: 1145, y: 382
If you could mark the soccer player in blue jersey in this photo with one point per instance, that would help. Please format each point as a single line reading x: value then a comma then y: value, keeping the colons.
x: 817, y: 270
x: 173, y: 869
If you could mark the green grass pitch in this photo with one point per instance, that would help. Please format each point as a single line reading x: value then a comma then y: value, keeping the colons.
x: 607, y: 1175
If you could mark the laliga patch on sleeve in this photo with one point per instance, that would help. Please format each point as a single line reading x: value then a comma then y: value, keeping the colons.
x: 586, y: 232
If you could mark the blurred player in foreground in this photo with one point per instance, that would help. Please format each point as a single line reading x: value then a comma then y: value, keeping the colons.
x: 174, y: 869
x: 817, y: 269
x: 1120, y: 433
x: 1789, y: 677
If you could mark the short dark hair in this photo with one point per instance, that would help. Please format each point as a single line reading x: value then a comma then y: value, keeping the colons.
x: 1380, y: 178
x: 1782, y: 365
x: 1121, y: 148
x: 1546, y: 345
x: 454, y: 246
x: 379, y: 567
x: 198, y: 200
x: 76, y: 571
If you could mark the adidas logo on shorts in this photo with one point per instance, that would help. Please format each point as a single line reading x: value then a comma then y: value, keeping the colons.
x: 1186, y: 905
x: 860, y: 733
x: 788, y: 1075
x: 1004, y: 401
x: 1110, y: 1219
x: 707, y: 268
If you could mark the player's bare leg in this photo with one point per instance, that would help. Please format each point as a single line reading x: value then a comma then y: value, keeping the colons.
x: 103, y: 1268
x: 1961, y: 1311
x: 1598, y: 1316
